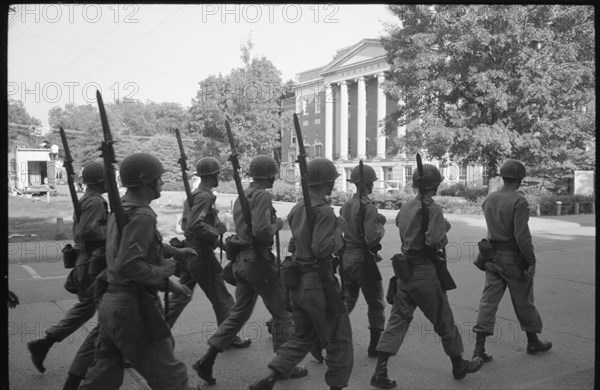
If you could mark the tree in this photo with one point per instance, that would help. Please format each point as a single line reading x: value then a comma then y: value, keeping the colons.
x: 249, y: 98
x: 488, y: 82
x: 23, y: 129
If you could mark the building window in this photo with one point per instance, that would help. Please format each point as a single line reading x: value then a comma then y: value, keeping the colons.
x: 291, y: 156
x: 318, y: 150
x: 293, y: 140
x: 307, y: 149
x: 462, y: 173
x: 485, y: 175
x: 349, y: 146
x: 388, y: 173
x: 317, y: 103
x: 408, y: 172
x: 304, y: 106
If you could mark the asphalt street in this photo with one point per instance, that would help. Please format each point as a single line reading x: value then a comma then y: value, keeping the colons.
x: 565, y: 287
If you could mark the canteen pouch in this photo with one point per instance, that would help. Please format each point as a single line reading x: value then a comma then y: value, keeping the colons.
x: 403, y: 269
x: 232, y: 247
x: 486, y: 253
x: 69, y: 255
x: 290, y: 273
x: 228, y: 273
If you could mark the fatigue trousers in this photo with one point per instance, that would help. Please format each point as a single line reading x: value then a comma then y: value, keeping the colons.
x: 122, y: 337
x: 422, y: 290
x: 250, y: 278
x: 505, y: 271
x: 84, y: 357
x: 206, y: 271
x: 78, y: 315
x: 355, y: 280
x: 309, y: 313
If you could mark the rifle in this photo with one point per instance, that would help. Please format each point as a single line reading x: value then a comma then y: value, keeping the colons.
x: 335, y: 305
x: 277, y: 240
x: 184, y: 168
x: 371, y: 270
x: 70, y: 174
x: 440, y: 264
x: 233, y: 157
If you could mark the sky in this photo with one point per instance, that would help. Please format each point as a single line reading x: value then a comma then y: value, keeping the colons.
x: 59, y: 54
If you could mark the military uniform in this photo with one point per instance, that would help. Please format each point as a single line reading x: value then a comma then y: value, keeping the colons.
x: 89, y: 235
x: 131, y: 327
x: 423, y: 288
x: 354, y: 260
x: 201, y: 234
x: 308, y: 300
x: 249, y: 273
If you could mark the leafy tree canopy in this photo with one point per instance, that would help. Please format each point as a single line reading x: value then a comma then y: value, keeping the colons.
x: 489, y: 82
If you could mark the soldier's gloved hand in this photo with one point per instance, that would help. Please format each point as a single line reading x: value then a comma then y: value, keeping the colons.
x: 279, y: 223
x: 530, y: 271
x: 381, y: 219
x: 222, y: 228
x: 291, y: 246
x: 179, y: 289
x: 185, y: 254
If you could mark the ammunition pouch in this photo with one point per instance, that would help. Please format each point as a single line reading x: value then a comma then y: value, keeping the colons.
x: 69, y: 255
x: 233, y: 247
x: 403, y: 267
x: 290, y: 272
x: 486, y: 253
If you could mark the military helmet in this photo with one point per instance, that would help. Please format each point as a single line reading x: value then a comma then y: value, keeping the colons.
x: 368, y: 171
x: 431, y: 177
x: 207, y: 166
x: 93, y: 173
x: 139, y: 169
x: 321, y: 170
x: 263, y: 167
x: 513, y: 169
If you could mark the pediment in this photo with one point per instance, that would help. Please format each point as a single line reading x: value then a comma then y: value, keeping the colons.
x: 364, y: 51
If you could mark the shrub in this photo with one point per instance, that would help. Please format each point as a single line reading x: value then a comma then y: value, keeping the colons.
x: 285, y: 192
x: 548, y: 204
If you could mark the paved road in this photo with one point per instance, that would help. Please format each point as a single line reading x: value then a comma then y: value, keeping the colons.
x: 565, y: 295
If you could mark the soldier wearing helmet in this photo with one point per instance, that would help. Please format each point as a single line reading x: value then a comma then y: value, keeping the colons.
x: 307, y: 297
x: 136, y: 269
x: 249, y: 273
x: 202, y: 229
x: 513, y: 265
x: 89, y: 235
x: 355, y: 279
x: 420, y: 287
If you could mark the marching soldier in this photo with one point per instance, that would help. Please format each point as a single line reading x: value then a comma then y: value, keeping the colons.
x: 419, y: 286
x: 306, y: 285
x: 253, y: 261
x: 356, y: 277
x: 89, y: 236
x: 202, y: 229
x: 513, y: 264
x: 131, y: 326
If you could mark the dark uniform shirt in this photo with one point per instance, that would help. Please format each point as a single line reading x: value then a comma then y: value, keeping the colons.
x: 408, y: 221
x: 507, y: 217
x: 140, y: 255
x: 91, y: 226
x: 326, y: 238
x: 200, y: 221
x: 262, y: 216
x: 373, y: 230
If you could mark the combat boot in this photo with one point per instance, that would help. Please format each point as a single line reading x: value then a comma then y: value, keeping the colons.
x: 372, y: 350
x: 380, y: 378
x: 462, y: 367
x: 480, y: 349
x: 239, y: 343
x: 266, y: 383
x: 299, y: 372
x: 39, y: 349
x: 204, y: 366
x: 535, y: 345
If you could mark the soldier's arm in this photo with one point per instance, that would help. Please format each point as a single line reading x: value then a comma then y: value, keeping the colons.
x: 262, y: 227
x: 374, y: 230
x: 137, y: 239
x: 325, y: 240
x: 435, y: 236
x: 196, y: 222
x: 92, y: 222
x: 521, y: 229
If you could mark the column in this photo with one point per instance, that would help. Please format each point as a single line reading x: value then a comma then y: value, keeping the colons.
x: 381, y: 105
x: 361, y: 121
x: 343, y: 120
x: 328, y: 122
